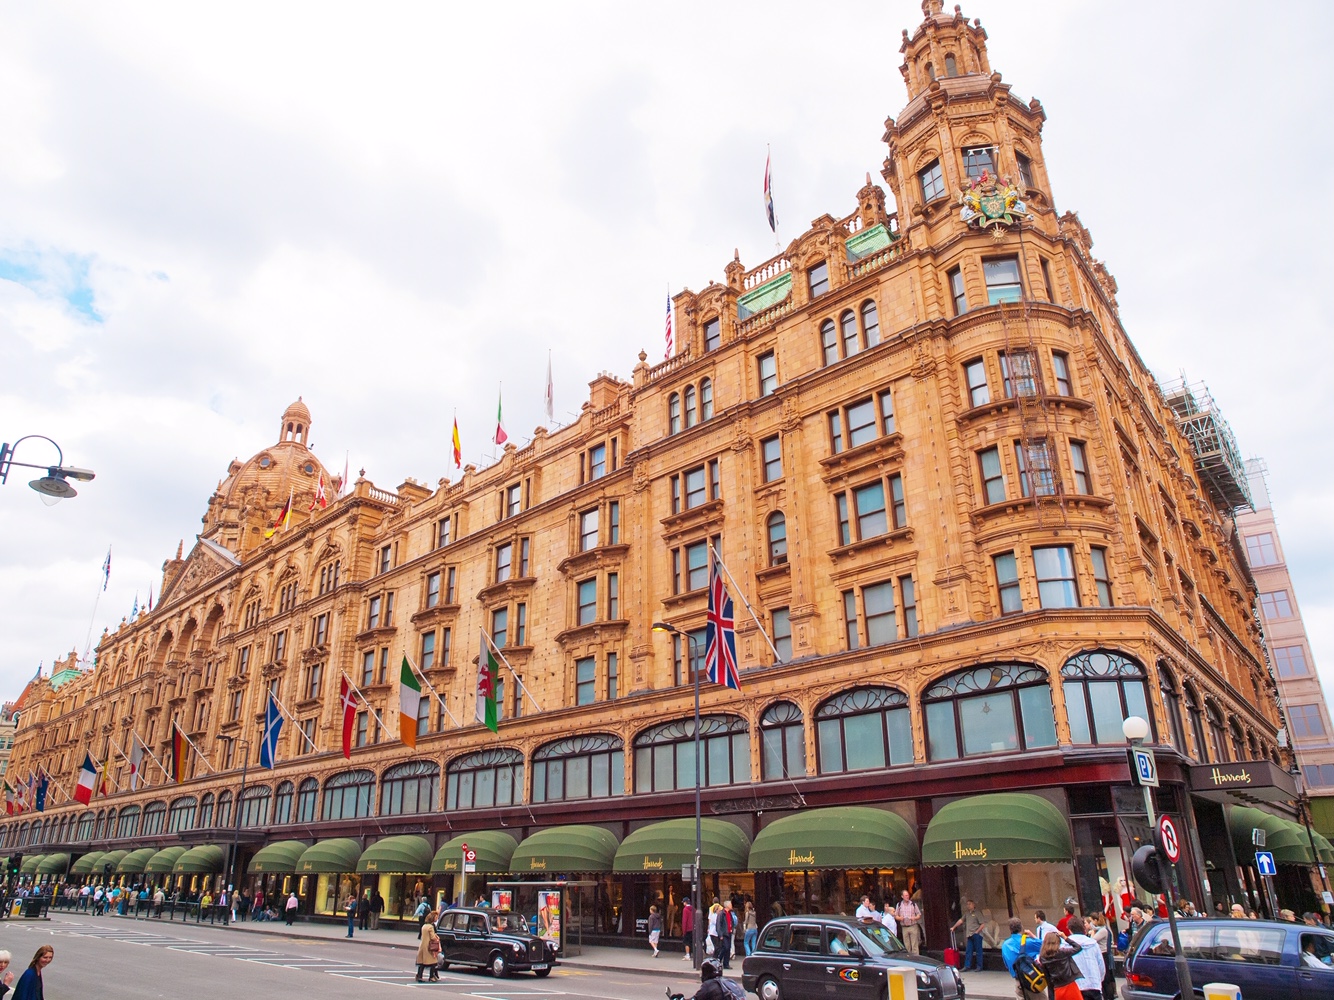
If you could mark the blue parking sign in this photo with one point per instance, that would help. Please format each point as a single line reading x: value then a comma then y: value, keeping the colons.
x: 1264, y: 863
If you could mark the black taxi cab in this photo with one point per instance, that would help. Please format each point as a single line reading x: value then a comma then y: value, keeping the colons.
x: 497, y: 940
x: 803, y: 957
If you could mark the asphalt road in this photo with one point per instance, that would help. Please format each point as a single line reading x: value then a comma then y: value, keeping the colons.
x: 114, y: 959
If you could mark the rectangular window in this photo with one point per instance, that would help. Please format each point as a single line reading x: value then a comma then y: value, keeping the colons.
x: 1025, y: 169
x: 521, y: 624
x: 1018, y: 376
x: 1002, y: 278
x: 307, y: 744
x: 280, y: 646
x: 511, y: 500
x: 782, y: 629
x: 504, y: 558
x: 321, y: 629
x: 861, y: 423
x: 850, y: 618
x: 588, y: 602
x: 427, y: 660
x: 597, y: 462
x: 368, y: 668
x: 313, y: 678
x: 683, y: 672
x: 768, y: 370
x: 388, y: 609
x: 692, y: 484
x: 1101, y: 578
x: 878, y: 603
x: 613, y: 597
x: 771, y: 455
x: 1260, y: 549
x: 844, y: 527
x: 1007, y: 583
x: 993, y: 479
x: 386, y: 558
x: 446, y: 643
x: 613, y: 676
x: 932, y: 181
x: 836, y: 432
x: 1079, y: 468
x: 975, y: 374
x: 978, y: 160
x: 442, y: 531
x: 870, y: 502
x: 818, y: 279
x: 525, y: 550
x: 957, y: 293
x: 900, y: 504
x: 614, y: 523
x: 909, y: 594
x: 886, y: 412
x: 432, y: 590
x: 1035, y: 470
x: 384, y: 664
x: 712, y: 334
x: 243, y: 660
x: 1291, y: 661
x: 697, y: 566
x: 588, y: 530
x: 500, y: 626
x: 715, y: 480
x: 373, y: 615
x: 585, y: 681
x: 1046, y: 279
x: 423, y: 716
x: 1275, y: 604
x: 236, y: 708
x: 1055, y: 569
x: 363, y: 728
x: 1306, y: 721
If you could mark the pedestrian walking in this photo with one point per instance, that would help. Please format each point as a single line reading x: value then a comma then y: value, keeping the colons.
x: 428, y: 949
x: 654, y: 929
x: 909, y: 915
x: 350, y: 908
x: 289, y: 911
x: 364, y: 912
x: 30, y: 983
x: 377, y: 908
x: 688, y: 928
x: 6, y: 977
x: 971, y: 925
x: 726, y: 933
x: 751, y: 926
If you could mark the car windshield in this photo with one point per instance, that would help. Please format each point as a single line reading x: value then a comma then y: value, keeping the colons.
x: 877, y: 940
x: 508, y: 922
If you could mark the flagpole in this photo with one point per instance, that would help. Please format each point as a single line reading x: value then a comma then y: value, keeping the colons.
x: 92, y: 618
x: 59, y: 787
x: 186, y: 736
x: 518, y: 680
x: 740, y: 593
x: 421, y: 675
x: 283, y: 708
x: 369, y: 706
x: 123, y: 756
x: 149, y: 750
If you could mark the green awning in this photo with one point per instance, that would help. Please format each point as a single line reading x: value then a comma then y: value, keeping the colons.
x: 133, y: 863
x: 1002, y: 828
x: 281, y: 856
x: 838, y: 837
x: 330, y: 857
x: 88, y: 864
x: 1283, y: 838
x: 494, y: 849
x: 668, y: 845
x: 566, y: 849
x: 30, y: 863
x: 1323, y: 848
x: 112, y: 858
x: 54, y: 864
x: 163, y: 861
x: 206, y: 859
x: 397, y: 856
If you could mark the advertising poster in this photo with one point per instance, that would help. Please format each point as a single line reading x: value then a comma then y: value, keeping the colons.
x: 502, y: 899
x: 548, y: 916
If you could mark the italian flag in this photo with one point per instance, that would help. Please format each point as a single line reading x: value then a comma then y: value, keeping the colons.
x: 9, y: 800
x: 488, y: 673
x: 409, y: 704
x: 501, y: 436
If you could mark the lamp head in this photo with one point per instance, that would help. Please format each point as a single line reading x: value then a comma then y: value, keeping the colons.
x: 1135, y: 729
x: 666, y: 627
x: 53, y: 486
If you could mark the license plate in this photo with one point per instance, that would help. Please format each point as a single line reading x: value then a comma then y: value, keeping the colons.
x: 536, y: 966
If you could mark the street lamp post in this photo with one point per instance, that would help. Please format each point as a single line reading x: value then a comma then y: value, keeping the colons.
x: 698, y: 880
x: 54, y: 486
x: 236, y: 826
x: 1136, y: 731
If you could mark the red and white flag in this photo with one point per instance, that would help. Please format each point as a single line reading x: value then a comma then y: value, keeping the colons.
x: 83, y: 791
x: 349, y: 703
x: 136, y: 761
x: 320, y: 500
x: 668, y: 334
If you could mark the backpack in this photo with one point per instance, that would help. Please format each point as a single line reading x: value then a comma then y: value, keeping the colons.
x: 732, y: 988
x: 1033, y: 978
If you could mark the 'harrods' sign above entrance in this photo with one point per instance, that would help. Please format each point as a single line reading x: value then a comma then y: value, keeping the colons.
x: 1244, y: 780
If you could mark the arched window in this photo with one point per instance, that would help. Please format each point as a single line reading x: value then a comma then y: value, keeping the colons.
x: 930, y: 71
x: 992, y: 709
x: 484, y: 779
x: 224, y: 814
x: 782, y: 743
x: 1238, y: 741
x: 255, y: 806
x: 349, y: 795
x: 951, y: 66
x: 690, y: 406
x: 865, y: 728
x: 706, y: 399
x: 181, y: 815
x: 86, y: 822
x: 582, y: 767
x: 1172, y: 703
x: 206, y: 811
x: 128, y: 823
x: 1102, y: 690
x: 674, y: 413
x: 828, y: 342
x: 870, y: 323
x: 777, y: 528
x: 1196, y: 718
x: 1217, y: 734
x: 23, y: 834
x: 282, y: 804
x: 155, y: 818
x: 1257, y: 751
x: 100, y: 827
x: 412, y: 787
x: 665, y: 755
x: 305, y: 801
x: 848, y: 322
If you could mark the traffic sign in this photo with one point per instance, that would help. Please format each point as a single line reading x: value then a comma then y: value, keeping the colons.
x: 1167, y: 836
x: 469, y: 854
x: 1143, y: 768
x: 1264, y: 863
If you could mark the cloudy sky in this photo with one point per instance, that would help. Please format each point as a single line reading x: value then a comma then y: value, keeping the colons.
x: 389, y: 209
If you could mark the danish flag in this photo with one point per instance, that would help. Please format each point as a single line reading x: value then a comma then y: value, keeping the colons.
x: 349, y: 703
x: 720, y: 633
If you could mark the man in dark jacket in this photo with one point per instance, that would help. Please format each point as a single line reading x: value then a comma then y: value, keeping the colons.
x: 363, y: 912
x: 726, y: 934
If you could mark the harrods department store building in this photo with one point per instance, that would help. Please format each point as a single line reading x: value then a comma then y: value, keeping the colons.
x: 936, y: 467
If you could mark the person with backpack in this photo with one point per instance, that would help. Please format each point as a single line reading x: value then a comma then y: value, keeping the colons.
x: 713, y: 984
x: 1057, y: 961
x: 1019, y: 952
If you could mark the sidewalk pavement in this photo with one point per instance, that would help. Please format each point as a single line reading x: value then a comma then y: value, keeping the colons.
x: 977, y: 985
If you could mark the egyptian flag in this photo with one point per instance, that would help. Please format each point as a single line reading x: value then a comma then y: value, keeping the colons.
x: 320, y: 500
x: 83, y: 791
x: 177, y: 768
x: 349, y: 703
x: 283, y: 516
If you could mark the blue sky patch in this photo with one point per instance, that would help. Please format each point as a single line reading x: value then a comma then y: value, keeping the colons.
x: 52, y: 275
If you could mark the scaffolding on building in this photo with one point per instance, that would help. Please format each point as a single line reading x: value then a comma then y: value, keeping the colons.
x: 1218, y: 460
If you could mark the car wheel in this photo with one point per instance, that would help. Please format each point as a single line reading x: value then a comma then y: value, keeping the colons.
x: 767, y: 989
x: 500, y: 966
x: 541, y: 973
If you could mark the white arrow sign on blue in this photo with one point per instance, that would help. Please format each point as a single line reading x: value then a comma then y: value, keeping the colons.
x: 1264, y: 863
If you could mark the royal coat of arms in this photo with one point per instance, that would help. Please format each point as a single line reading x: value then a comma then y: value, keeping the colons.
x: 991, y: 203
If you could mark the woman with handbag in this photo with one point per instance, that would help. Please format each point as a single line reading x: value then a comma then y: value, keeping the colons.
x: 1057, y: 962
x: 428, y: 951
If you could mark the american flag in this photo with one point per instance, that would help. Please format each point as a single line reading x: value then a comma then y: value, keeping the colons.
x: 720, y: 634
x: 667, y: 334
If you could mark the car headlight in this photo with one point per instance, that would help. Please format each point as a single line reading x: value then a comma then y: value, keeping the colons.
x: 518, y: 948
x: 923, y: 979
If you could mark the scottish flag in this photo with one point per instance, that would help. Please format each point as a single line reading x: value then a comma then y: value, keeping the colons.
x: 273, y: 725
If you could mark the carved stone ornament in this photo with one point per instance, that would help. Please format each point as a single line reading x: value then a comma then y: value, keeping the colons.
x: 640, y: 477
x: 991, y: 203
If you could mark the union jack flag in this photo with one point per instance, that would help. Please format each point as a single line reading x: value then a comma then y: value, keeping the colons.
x: 720, y: 634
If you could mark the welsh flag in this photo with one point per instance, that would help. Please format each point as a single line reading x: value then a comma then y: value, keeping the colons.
x: 409, y: 704
x: 488, y: 675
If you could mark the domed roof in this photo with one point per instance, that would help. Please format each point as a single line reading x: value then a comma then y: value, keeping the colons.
x: 297, y: 413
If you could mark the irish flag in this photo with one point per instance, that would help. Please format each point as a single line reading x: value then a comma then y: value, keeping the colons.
x: 488, y: 673
x: 409, y: 704
x: 83, y: 791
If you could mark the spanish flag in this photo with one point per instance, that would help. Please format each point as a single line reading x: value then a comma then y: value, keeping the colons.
x: 284, y: 516
x: 177, y: 753
x: 458, y: 446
